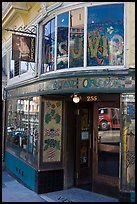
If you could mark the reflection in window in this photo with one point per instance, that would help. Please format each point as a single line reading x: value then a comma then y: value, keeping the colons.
x: 108, y: 120
x: 4, y: 72
x: 22, y: 130
x: 25, y: 66
x: 76, y: 38
x: 49, y: 46
x: 20, y: 67
x: 108, y: 141
x: 12, y: 69
x: 62, y: 40
x: 105, y: 35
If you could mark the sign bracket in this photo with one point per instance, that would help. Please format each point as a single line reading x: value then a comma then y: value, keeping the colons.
x: 23, y: 29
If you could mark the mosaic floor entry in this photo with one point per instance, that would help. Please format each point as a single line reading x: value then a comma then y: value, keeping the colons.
x: 76, y: 195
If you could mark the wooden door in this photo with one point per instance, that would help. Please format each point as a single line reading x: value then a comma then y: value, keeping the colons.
x: 83, y: 144
x: 106, y: 131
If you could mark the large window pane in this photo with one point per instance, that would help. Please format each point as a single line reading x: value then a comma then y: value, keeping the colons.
x: 76, y: 38
x: 49, y: 46
x: 22, y: 131
x: 105, y: 35
x: 62, y: 40
x: 12, y: 139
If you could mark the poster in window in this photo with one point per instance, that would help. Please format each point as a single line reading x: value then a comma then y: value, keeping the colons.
x: 23, y: 48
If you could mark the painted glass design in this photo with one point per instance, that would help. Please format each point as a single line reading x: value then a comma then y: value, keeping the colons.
x: 76, y: 38
x: 105, y: 35
x: 62, y: 40
x: 52, y: 131
x: 49, y: 46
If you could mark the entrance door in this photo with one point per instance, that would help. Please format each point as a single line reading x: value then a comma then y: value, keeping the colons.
x: 83, y: 144
x: 106, y: 130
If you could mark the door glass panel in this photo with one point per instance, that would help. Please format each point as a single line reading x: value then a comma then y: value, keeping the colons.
x: 108, y: 141
x: 84, y: 138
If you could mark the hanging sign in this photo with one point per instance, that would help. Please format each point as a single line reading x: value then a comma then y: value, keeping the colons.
x: 23, y: 48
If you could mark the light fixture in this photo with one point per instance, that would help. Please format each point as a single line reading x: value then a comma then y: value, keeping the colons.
x: 76, y: 98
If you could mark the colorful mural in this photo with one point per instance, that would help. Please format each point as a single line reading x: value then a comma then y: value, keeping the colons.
x: 105, y: 35
x: 52, y: 131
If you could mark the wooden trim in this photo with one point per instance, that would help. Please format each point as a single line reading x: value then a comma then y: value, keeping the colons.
x: 108, y: 180
x: 108, y: 148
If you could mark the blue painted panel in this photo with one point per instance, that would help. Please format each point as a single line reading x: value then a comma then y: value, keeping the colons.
x: 132, y: 198
x: 23, y: 171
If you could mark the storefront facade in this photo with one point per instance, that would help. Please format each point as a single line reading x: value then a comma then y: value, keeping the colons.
x: 53, y: 142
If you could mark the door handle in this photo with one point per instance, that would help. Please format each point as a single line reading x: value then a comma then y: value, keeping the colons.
x: 90, y: 141
x: 96, y: 145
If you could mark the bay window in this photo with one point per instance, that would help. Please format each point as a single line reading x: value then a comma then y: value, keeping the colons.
x: 70, y: 41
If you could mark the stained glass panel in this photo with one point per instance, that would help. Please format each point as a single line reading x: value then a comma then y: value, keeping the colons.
x: 105, y: 35
x: 62, y: 41
x: 49, y: 46
x: 52, y: 131
x: 76, y: 38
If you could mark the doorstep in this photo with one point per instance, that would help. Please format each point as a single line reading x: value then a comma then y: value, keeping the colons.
x: 76, y: 195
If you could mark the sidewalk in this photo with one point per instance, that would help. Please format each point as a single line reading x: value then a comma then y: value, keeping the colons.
x: 13, y: 191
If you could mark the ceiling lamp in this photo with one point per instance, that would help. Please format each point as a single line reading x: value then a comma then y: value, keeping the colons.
x: 76, y: 98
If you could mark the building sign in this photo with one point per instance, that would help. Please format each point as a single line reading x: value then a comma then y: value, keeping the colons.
x: 23, y: 48
x: 81, y: 84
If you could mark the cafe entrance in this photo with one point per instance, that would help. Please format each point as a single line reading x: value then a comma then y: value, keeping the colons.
x: 97, y: 141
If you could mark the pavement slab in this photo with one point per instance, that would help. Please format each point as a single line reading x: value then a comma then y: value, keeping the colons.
x: 13, y: 191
